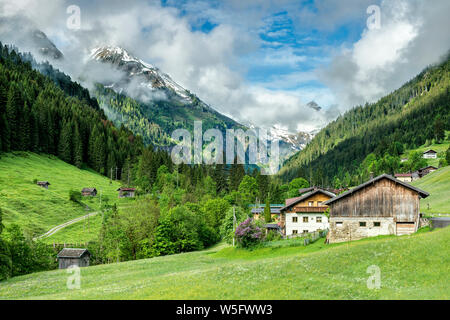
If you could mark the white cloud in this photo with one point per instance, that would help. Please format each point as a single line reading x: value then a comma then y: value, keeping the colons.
x: 413, y: 35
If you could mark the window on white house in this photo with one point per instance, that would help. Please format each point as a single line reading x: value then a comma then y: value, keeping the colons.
x: 305, y: 231
x: 294, y: 219
x: 294, y: 231
x: 319, y: 219
x: 362, y: 224
x: 305, y: 219
x: 377, y: 224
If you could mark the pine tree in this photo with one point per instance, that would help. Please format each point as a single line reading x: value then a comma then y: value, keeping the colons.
x: 65, y: 143
x: 267, y: 213
x: 77, y: 147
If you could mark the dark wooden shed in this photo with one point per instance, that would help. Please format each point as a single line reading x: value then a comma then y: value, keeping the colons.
x: 43, y: 184
x: 68, y: 257
x: 382, y: 206
x: 89, y: 192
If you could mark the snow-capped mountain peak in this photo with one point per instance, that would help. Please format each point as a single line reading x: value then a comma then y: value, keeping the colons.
x: 150, y: 77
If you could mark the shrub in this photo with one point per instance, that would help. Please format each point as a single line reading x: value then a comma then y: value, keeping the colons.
x: 248, y: 234
x: 74, y: 196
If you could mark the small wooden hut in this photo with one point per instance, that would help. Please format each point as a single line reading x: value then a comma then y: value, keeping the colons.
x: 89, y: 192
x: 69, y: 257
x: 43, y: 184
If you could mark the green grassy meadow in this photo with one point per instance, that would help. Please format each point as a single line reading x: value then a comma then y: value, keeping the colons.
x: 412, y: 267
x: 36, y: 209
x: 438, y: 185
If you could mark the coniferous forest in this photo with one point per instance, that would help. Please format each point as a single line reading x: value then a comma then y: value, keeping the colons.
x: 372, y: 137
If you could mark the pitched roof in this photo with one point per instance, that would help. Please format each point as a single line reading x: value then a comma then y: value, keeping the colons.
x: 428, y: 168
x: 430, y: 151
x: 422, y: 193
x: 43, y: 182
x: 126, y: 189
x: 88, y: 190
x: 72, y: 253
x: 403, y: 174
x: 306, y: 196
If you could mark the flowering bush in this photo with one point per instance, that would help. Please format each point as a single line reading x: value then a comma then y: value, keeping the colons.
x: 248, y: 234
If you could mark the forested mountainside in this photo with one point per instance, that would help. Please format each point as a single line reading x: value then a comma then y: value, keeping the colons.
x: 405, y: 119
x: 159, y: 105
x: 37, y: 115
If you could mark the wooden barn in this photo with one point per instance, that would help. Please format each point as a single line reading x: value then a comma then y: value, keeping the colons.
x: 69, y: 257
x: 381, y: 206
x: 89, y: 192
x: 126, y: 192
x: 43, y: 184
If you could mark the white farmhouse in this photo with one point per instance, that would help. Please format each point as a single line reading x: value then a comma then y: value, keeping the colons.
x: 306, y: 213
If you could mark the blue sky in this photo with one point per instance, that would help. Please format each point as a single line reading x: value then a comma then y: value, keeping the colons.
x: 284, y: 47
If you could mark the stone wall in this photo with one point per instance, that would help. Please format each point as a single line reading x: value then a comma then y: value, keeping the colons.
x: 349, y: 229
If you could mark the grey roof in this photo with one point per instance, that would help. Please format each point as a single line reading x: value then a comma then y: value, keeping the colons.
x: 421, y: 169
x: 72, y: 253
x: 430, y: 151
x: 89, y: 190
x: 43, y: 182
x: 272, y: 226
x: 260, y: 210
x: 307, y: 195
x: 422, y: 193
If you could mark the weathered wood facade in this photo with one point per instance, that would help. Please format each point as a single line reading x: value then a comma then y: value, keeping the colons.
x: 126, y: 192
x: 69, y: 257
x: 43, y: 184
x: 381, y: 206
x: 89, y: 192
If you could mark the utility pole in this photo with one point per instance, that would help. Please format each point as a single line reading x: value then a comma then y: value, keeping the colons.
x: 128, y: 175
x: 234, y: 225
x: 111, y: 174
x: 116, y: 173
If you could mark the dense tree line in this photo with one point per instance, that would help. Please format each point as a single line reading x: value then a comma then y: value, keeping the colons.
x: 409, y: 117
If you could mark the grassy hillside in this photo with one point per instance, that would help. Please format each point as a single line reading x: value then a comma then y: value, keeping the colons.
x: 412, y: 267
x: 440, y: 148
x: 37, y: 210
x: 438, y: 185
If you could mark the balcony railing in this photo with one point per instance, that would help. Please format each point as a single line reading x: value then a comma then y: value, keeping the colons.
x: 321, y: 209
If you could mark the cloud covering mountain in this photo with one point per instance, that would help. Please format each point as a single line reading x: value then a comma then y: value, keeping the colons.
x: 258, y: 61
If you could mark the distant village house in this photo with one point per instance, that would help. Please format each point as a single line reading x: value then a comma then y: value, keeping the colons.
x: 425, y: 171
x: 126, y: 192
x: 43, y: 184
x: 89, y: 192
x: 69, y: 257
x: 430, y: 154
x: 405, y: 177
x: 381, y: 206
x: 258, y: 212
